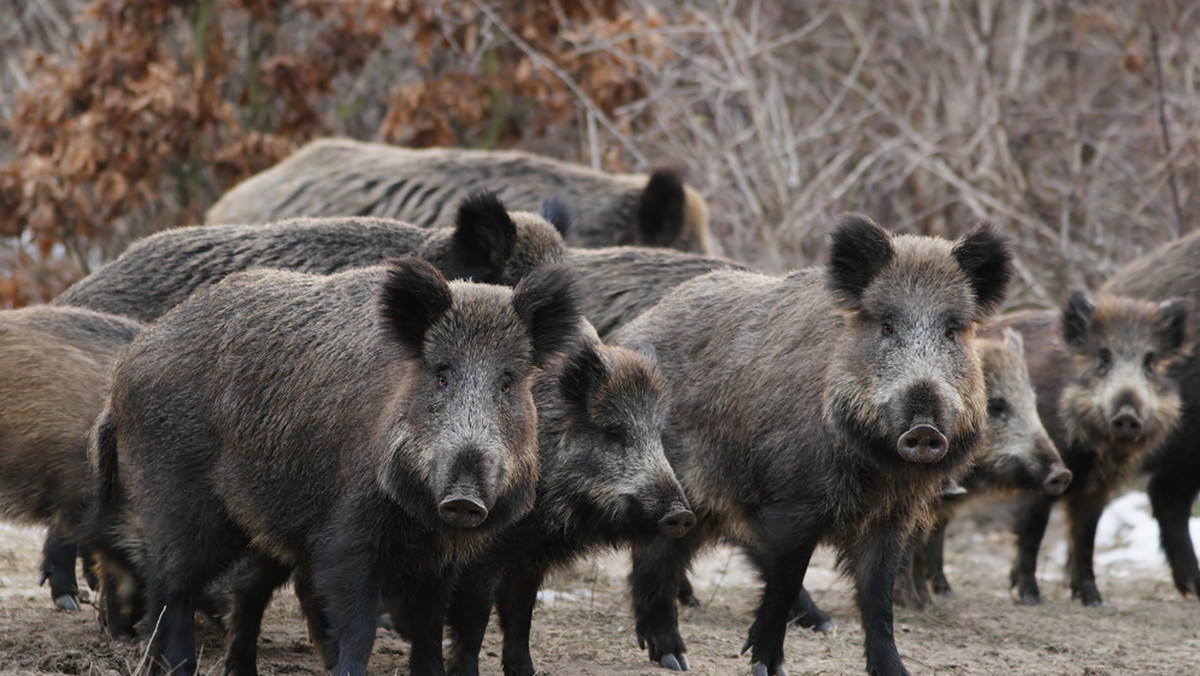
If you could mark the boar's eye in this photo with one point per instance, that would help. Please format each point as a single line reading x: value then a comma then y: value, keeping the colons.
x: 1105, y: 358
x: 998, y: 408
x: 614, y: 435
x: 951, y: 332
x: 887, y: 329
x: 443, y: 378
x: 505, y: 386
x: 1149, y: 360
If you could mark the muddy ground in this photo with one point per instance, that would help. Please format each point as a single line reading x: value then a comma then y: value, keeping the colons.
x: 583, y: 626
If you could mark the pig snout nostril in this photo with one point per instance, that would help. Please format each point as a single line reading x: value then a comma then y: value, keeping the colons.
x: 1057, y: 482
x: 677, y: 523
x: 462, y: 511
x: 922, y: 443
x: 1126, y: 426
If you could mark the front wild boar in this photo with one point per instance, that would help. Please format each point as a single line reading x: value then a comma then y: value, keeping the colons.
x: 827, y: 406
x: 343, y: 177
x: 486, y: 244
x: 1101, y: 368
x: 55, y: 369
x: 370, y: 429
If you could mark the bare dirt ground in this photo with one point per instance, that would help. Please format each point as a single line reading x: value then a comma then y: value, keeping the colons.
x: 583, y: 626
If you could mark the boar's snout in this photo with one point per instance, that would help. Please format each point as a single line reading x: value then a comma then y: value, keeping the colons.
x: 677, y: 522
x: 1057, y: 482
x: 922, y: 443
x: 462, y: 511
x: 1126, y: 425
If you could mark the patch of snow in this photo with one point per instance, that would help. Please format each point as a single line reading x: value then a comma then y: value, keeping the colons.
x: 1127, y: 537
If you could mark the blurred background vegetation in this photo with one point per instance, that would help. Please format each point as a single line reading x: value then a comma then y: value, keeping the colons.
x: 1074, y: 125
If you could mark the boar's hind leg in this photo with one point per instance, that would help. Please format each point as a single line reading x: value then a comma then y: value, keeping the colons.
x: 687, y: 595
x: 173, y: 642
x: 58, y: 566
x: 875, y: 560
x: 1033, y: 514
x: 422, y: 599
x: 909, y: 589
x: 1084, y: 511
x: 658, y: 568
x: 782, y: 571
x: 806, y: 615
x: 931, y: 558
x: 515, y: 602
x: 252, y: 592
x: 467, y: 616
x: 1172, y: 493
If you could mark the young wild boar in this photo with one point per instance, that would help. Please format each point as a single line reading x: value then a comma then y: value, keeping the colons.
x: 342, y: 177
x: 1017, y: 455
x: 604, y: 482
x: 1100, y: 368
x: 55, y: 368
x: 371, y: 429
x: 1173, y: 270
x: 826, y: 406
x: 486, y: 244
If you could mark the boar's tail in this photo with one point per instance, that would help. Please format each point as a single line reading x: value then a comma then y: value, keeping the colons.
x: 101, y: 506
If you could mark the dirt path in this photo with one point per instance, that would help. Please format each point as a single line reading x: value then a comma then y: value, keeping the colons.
x: 583, y: 626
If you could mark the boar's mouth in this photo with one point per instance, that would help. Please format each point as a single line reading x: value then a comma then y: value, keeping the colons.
x: 922, y: 443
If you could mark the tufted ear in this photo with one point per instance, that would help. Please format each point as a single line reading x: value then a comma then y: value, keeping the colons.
x: 547, y: 301
x: 582, y: 374
x: 558, y: 213
x: 484, y: 237
x: 662, y: 209
x: 1013, y: 340
x: 1077, y: 319
x: 858, y: 252
x: 1170, y: 331
x: 414, y: 295
x: 987, y: 260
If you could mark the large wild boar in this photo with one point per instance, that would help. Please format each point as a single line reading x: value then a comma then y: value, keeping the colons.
x: 827, y: 406
x: 342, y: 177
x: 604, y: 482
x: 486, y: 244
x: 1017, y: 455
x: 55, y: 368
x: 619, y: 283
x: 369, y: 429
x: 1174, y: 270
x: 1100, y: 368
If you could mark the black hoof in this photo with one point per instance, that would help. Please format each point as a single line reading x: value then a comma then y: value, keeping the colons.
x: 674, y: 664
x: 67, y: 602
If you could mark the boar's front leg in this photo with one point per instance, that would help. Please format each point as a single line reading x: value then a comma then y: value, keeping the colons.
x: 515, y: 601
x: 346, y: 584
x: 782, y: 569
x: 58, y: 566
x: 467, y: 615
x: 1032, y: 516
x: 875, y: 559
x: 1084, y: 510
x: 658, y: 569
x: 1172, y: 493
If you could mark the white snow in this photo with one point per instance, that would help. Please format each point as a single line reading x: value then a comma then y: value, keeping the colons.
x: 1127, y: 537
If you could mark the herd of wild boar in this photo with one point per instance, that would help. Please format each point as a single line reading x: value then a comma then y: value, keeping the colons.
x: 413, y: 382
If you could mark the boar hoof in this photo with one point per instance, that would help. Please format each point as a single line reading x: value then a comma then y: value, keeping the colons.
x: 674, y: 664
x: 760, y: 669
x: 67, y: 602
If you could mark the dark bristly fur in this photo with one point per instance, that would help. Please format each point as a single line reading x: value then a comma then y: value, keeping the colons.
x: 1094, y: 364
x: 788, y: 397
x: 55, y: 368
x: 311, y: 437
x: 158, y: 272
x: 1173, y: 270
x: 342, y: 177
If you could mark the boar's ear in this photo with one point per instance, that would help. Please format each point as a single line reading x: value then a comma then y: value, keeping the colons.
x: 647, y: 351
x: 583, y: 373
x: 1171, y: 328
x: 547, y: 300
x: 413, y: 297
x: 558, y: 213
x: 1013, y: 340
x: 987, y: 259
x: 484, y: 237
x: 859, y: 250
x: 1077, y: 319
x: 662, y: 209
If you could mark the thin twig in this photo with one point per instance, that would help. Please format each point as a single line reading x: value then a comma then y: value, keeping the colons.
x: 1166, y: 133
